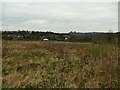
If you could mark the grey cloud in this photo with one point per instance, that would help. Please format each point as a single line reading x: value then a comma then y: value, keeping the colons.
x: 61, y: 17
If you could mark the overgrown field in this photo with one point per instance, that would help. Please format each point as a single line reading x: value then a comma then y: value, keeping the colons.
x: 36, y: 64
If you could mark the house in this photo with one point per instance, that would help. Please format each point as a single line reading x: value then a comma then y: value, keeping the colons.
x: 45, y: 39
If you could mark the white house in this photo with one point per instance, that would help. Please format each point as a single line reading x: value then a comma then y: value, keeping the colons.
x: 45, y: 39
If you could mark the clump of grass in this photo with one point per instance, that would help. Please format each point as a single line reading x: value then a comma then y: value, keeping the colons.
x: 100, y: 50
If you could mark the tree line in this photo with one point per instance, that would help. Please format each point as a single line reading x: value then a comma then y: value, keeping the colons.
x: 96, y: 37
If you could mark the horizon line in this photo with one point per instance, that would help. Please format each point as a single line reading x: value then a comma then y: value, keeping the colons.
x: 63, y: 32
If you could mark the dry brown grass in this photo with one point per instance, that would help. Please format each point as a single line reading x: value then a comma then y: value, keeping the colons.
x: 31, y: 64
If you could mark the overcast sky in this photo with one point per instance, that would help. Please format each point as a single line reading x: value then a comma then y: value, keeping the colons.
x: 61, y: 17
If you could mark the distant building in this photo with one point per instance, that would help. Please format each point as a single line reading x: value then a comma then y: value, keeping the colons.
x: 45, y: 39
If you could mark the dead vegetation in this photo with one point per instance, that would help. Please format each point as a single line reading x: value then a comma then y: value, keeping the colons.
x: 36, y: 64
